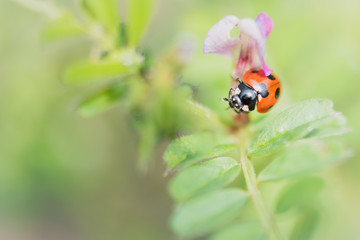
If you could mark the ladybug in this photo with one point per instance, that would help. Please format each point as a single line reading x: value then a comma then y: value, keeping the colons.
x: 256, y: 89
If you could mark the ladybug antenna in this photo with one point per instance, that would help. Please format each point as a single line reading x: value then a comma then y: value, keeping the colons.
x: 224, y: 99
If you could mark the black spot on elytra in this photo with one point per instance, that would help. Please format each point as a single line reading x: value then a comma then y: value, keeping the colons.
x: 277, y: 93
x: 254, y: 71
x: 271, y: 77
x: 262, y: 90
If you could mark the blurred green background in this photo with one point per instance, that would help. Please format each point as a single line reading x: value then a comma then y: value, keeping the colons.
x: 67, y: 177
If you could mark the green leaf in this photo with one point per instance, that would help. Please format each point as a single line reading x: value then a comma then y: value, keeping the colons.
x: 122, y: 40
x: 63, y: 27
x: 192, y: 148
x: 101, y: 101
x: 303, y: 158
x: 205, y: 118
x: 240, y: 231
x: 300, y: 194
x: 208, y: 212
x: 139, y: 13
x: 306, y: 225
x: 293, y: 124
x: 335, y: 126
x: 90, y: 71
x: 203, y: 177
x: 48, y: 8
x: 104, y: 11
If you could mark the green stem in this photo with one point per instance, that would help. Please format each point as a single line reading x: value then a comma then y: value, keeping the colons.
x: 266, y: 217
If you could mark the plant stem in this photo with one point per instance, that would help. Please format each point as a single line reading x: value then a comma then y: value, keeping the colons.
x: 266, y: 217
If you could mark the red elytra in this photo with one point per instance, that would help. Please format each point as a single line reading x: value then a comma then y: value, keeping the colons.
x: 268, y: 88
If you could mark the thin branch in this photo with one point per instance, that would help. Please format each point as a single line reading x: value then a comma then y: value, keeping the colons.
x: 265, y: 215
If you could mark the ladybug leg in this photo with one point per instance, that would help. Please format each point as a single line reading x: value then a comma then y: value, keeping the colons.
x: 237, y: 111
x: 235, y: 90
x: 231, y: 89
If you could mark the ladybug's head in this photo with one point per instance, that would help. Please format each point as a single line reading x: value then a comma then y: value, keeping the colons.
x: 235, y: 102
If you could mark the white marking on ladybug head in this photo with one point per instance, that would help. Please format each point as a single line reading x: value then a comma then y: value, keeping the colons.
x: 237, y: 91
x: 259, y: 97
x: 245, y: 108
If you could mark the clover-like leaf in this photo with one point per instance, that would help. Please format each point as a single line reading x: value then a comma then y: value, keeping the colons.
x: 207, y: 212
x: 293, y: 124
x: 205, y: 118
x: 203, y: 177
x: 63, y: 27
x: 306, y: 224
x: 240, y: 231
x: 103, y: 11
x: 139, y: 13
x: 300, y: 194
x: 303, y: 158
x: 335, y: 126
x: 192, y: 148
x: 101, y: 101
x: 90, y: 71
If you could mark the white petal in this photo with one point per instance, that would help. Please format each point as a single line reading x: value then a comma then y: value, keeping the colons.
x: 218, y: 39
x: 249, y: 27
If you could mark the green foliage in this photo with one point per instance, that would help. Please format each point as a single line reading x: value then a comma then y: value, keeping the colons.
x: 139, y: 13
x: 335, y: 126
x: 208, y: 212
x: 85, y: 72
x: 294, y: 123
x: 192, y: 148
x: 300, y: 194
x: 241, y: 231
x: 306, y: 225
x: 309, y: 121
x: 208, y: 158
x: 208, y: 119
x: 104, y: 12
x: 102, y: 100
x: 63, y: 27
x: 303, y: 158
x: 203, y: 177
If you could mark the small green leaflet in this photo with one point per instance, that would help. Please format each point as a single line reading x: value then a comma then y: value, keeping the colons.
x: 193, y: 148
x: 306, y: 224
x: 206, y: 119
x: 139, y: 13
x: 335, y: 126
x: 300, y: 194
x: 63, y: 27
x: 302, y: 158
x: 104, y: 11
x: 241, y: 231
x: 85, y: 72
x: 293, y: 124
x: 206, y: 213
x: 101, y: 101
x: 203, y: 177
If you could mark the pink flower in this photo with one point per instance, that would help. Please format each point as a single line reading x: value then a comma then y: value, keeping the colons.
x: 246, y: 49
